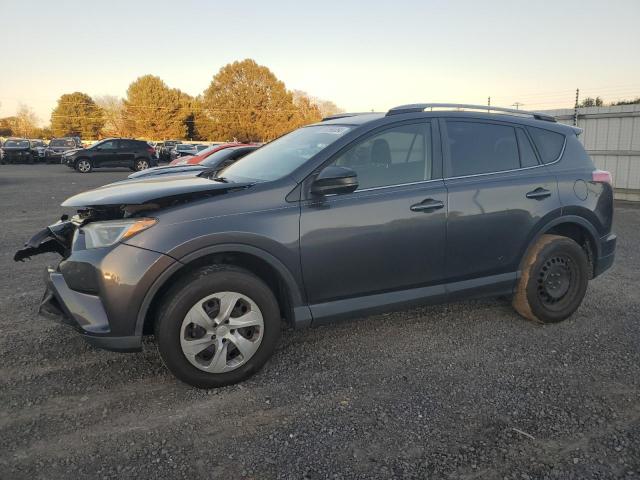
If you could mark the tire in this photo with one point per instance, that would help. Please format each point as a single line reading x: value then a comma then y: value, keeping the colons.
x: 208, y: 363
x: 84, y: 165
x: 555, y: 274
x: 141, y: 164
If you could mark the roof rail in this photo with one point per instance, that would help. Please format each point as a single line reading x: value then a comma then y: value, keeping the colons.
x: 343, y: 115
x: 420, y: 107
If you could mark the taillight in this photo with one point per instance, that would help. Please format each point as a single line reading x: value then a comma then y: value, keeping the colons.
x: 602, y: 176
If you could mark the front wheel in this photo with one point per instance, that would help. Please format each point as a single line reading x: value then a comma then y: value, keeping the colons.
x: 84, y: 166
x: 553, y: 282
x: 141, y: 164
x: 218, y: 326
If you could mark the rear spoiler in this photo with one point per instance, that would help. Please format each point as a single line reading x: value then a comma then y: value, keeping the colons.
x: 577, y: 130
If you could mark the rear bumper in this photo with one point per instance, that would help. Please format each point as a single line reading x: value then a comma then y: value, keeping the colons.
x: 607, y: 254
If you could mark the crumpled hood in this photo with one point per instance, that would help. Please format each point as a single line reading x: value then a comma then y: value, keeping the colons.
x: 151, y: 189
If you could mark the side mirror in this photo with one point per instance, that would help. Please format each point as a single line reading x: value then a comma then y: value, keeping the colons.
x: 335, y: 180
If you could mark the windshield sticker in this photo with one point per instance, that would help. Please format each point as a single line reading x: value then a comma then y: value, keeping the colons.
x: 333, y: 130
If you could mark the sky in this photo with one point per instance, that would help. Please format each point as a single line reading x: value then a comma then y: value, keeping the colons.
x: 363, y: 55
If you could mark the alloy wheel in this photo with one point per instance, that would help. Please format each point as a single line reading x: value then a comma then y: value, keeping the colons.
x: 142, y: 165
x: 221, y: 332
x: 84, y: 166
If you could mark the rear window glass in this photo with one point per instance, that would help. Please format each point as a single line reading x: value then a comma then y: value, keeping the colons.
x: 549, y: 143
x: 477, y: 148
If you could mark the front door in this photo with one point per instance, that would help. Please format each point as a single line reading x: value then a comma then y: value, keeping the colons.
x: 107, y: 154
x: 389, y: 234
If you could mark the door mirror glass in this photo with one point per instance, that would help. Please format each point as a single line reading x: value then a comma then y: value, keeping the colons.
x: 335, y: 180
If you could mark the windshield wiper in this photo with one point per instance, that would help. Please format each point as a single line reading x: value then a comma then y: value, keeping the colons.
x: 220, y: 179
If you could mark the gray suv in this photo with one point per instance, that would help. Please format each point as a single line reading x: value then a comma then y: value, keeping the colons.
x: 357, y: 214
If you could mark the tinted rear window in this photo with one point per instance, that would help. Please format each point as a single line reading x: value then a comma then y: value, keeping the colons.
x: 477, y: 148
x: 527, y: 154
x: 548, y: 143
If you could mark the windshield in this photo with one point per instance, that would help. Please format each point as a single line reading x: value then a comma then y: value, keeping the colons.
x: 37, y: 143
x: 182, y: 148
x: 282, y: 156
x: 16, y: 144
x: 62, y: 142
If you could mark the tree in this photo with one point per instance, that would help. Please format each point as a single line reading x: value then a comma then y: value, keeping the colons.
x: 592, y: 102
x: 246, y: 101
x: 24, y: 123
x: 635, y: 101
x: 155, y: 111
x: 114, y: 116
x: 6, y: 129
x: 327, y: 107
x: 77, y: 114
x: 307, y: 109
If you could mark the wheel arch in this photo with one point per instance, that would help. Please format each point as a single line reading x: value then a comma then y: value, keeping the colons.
x: 575, y: 227
x: 261, y: 263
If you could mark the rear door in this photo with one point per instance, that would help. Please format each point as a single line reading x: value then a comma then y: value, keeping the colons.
x: 389, y: 234
x: 498, y: 192
x: 126, y: 153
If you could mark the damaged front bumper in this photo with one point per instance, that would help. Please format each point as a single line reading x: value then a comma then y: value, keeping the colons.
x: 84, y: 312
x: 98, y: 291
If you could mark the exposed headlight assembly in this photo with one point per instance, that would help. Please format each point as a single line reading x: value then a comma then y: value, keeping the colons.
x: 105, y: 234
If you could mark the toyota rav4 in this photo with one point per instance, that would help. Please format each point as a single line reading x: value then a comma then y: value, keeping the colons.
x: 357, y: 214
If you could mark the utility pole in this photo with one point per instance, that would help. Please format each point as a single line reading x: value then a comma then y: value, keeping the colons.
x: 517, y: 105
x: 575, y: 108
x: 489, y: 104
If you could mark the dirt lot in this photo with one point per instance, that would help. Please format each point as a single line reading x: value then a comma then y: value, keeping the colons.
x: 468, y: 390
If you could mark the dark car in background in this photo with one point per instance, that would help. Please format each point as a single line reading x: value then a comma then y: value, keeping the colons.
x: 39, y: 146
x: 58, y: 146
x: 354, y: 215
x: 112, y: 152
x: 181, y: 150
x: 164, y: 149
x: 19, y: 150
x: 213, y: 163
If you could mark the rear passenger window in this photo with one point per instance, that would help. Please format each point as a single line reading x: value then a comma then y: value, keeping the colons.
x: 481, y: 148
x: 527, y: 155
x: 395, y: 156
x: 549, y: 143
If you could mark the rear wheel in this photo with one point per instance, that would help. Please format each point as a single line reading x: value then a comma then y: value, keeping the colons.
x: 84, y: 166
x: 554, y: 279
x: 141, y: 164
x: 218, y: 326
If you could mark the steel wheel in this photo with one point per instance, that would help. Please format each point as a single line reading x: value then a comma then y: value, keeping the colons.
x: 221, y: 332
x: 141, y: 165
x: 84, y: 166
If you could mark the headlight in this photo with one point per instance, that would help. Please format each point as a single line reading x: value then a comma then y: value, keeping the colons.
x: 105, y: 234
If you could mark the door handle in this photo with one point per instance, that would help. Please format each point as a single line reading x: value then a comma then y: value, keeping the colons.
x: 539, y: 193
x: 427, y: 205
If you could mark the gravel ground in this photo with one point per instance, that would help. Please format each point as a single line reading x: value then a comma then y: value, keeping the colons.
x: 468, y: 390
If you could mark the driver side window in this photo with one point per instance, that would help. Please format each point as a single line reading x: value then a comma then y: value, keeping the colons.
x: 110, y: 145
x: 398, y: 155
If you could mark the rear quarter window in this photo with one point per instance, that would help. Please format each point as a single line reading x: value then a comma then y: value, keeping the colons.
x: 548, y: 143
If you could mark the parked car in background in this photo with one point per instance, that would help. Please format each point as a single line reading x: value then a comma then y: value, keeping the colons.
x: 201, y: 147
x: 19, y: 150
x: 112, y: 152
x: 39, y: 146
x: 58, y: 146
x: 164, y: 149
x: 196, y: 159
x: 182, y: 149
x: 211, y: 164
